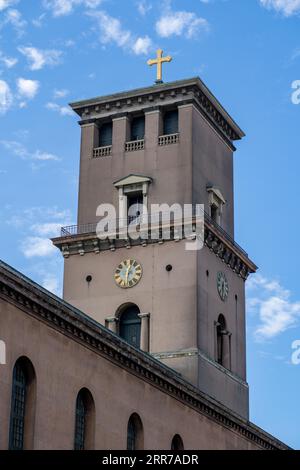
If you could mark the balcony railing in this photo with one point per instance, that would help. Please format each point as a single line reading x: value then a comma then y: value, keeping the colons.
x: 135, y: 145
x: 102, y: 151
x: 86, y: 229
x: 168, y: 139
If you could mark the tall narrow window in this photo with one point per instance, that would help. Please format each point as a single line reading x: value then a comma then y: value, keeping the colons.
x: 221, y: 332
x: 135, y: 203
x: 130, y: 325
x: 84, y: 421
x: 135, y: 433
x: 105, y: 135
x: 214, y: 213
x: 171, y: 122
x: 177, y: 443
x: 22, y: 406
x: 138, y: 128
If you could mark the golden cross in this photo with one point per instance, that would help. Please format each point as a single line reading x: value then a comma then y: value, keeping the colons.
x: 159, y: 61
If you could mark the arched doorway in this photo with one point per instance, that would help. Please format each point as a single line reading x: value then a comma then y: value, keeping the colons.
x: 130, y: 325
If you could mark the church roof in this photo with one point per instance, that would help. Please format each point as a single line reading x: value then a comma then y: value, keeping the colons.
x: 34, y: 300
x: 178, y: 92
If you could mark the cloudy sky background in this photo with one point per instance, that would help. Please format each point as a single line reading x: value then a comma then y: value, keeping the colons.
x: 248, y: 53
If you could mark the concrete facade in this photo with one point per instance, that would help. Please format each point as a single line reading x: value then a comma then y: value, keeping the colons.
x: 69, y: 351
x: 184, y: 304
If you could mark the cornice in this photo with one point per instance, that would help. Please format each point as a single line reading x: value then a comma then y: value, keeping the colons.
x: 217, y: 242
x: 175, y: 93
x: 69, y: 321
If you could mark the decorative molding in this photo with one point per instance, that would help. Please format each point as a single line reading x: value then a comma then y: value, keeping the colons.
x: 184, y: 92
x: 215, y: 240
x: 69, y: 321
x: 132, y: 179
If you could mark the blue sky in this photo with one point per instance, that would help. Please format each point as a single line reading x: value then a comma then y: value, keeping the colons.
x: 248, y: 53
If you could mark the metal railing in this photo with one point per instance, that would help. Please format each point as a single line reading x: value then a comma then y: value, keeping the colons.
x: 102, y: 151
x: 85, y: 229
x: 135, y: 145
x: 168, y: 139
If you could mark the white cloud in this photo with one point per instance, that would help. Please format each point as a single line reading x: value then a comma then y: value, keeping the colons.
x: 111, y: 31
x: 62, y: 110
x: 144, y: 7
x: 18, y: 149
x: 39, y: 58
x: 27, y: 88
x: 142, y: 45
x: 6, y: 97
x: 49, y: 229
x: 277, y: 311
x: 14, y: 18
x: 9, y: 62
x: 44, y: 156
x: 287, y: 7
x: 180, y: 23
x: 65, y: 7
x: 37, y: 246
x: 58, y: 94
x: 32, y: 216
x: 38, y: 22
x: 7, y: 3
x: 52, y: 284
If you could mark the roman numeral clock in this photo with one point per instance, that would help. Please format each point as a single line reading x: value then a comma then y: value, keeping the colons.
x: 128, y: 274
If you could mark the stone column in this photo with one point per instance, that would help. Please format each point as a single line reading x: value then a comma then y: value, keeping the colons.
x: 121, y: 133
x: 153, y: 127
x: 144, y: 331
x: 89, y: 139
x: 112, y: 324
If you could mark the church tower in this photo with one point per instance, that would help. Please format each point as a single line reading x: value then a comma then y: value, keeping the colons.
x: 168, y: 143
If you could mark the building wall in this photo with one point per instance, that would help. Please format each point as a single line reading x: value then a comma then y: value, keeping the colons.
x: 169, y: 297
x: 212, y: 164
x: 184, y: 306
x: 170, y: 163
x: 63, y: 367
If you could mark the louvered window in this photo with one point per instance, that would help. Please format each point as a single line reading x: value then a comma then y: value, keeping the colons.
x: 138, y: 128
x: 105, y: 135
x: 171, y: 123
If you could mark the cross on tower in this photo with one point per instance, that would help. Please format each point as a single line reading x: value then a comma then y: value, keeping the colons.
x: 159, y: 61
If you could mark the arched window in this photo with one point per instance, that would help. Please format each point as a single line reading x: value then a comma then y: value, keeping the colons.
x: 22, y: 405
x: 221, y: 332
x: 135, y: 433
x: 171, y: 122
x: 177, y: 443
x: 84, y: 421
x: 130, y: 325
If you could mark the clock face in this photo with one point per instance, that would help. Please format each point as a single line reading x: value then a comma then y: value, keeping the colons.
x: 222, y: 285
x: 128, y: 273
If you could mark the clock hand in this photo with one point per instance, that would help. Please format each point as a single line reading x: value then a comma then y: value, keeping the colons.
x: 127, y: 274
